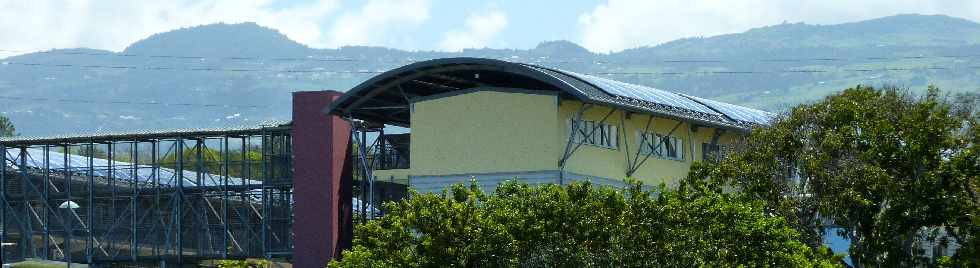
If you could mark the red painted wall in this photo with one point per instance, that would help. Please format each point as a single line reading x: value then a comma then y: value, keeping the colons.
x: 322, y: 180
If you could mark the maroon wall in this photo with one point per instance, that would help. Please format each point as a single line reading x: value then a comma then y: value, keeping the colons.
x: 322, y: 180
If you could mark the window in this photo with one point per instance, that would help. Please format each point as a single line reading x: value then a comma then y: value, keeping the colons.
x: 602, y: 135
x: 716, y: 151
x: 659, y: 145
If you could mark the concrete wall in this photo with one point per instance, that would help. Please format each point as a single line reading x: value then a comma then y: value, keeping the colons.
x: 322, y: 180
x: 484, y: 131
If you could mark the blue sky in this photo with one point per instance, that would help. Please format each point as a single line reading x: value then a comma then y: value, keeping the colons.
x: 448, y: 25
x: 529, y: 22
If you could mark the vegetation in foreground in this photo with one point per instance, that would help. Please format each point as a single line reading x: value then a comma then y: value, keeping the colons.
x: 579, y: 225
x: 896, y: 173
x: 250, y: 263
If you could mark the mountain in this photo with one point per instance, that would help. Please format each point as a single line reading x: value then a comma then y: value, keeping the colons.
x: 561, y: 48
x: 894, y: 31
x: 223, y: 40
x: 232, y: 74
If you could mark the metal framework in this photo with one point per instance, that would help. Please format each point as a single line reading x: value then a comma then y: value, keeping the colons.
x: 375, y: 150
x: 174, y: 197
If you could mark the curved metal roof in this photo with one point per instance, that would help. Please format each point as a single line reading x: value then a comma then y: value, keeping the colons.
x: 385, y: 98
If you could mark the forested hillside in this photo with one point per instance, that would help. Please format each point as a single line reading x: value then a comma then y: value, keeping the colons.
x: 231, y: 74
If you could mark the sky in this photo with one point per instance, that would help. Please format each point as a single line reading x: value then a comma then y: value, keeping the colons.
x: 601, y: 26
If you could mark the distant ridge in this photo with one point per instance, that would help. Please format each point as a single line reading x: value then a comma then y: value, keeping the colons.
x: 121, y: 99
x: 907, y: 30
x: 225, y: 40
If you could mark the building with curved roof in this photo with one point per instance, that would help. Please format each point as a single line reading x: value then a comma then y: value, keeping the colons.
x: 496, y: 120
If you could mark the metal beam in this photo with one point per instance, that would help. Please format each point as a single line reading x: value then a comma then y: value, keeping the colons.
x: 178, y: 218
x: 625, y: 138
x: 636, y: 158
x: 45, y: 198
x: 590, y: 134
x: 69, y: 230
x: 374, y: 92
x: 659, y: 143
x: 443, y: 88
x: 568, y: 144
x: 459, y: 80
x: 3, y: 200
x: 140, y: 214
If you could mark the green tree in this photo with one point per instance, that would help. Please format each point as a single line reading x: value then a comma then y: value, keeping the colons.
x: 250, y: 263
x: 893, y: 171
x: 577, y: 226
x: 6, y: 127
x: 241, y: 164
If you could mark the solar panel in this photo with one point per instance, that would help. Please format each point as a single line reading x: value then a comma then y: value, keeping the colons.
x: 739, y: 113
x: 643, y: 93
x: 79, y: 165
x: 144, y: 173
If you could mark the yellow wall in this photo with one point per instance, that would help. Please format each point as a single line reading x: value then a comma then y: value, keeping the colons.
x: 612, y: 163
x: 492, y: 131
x: 484, y: 131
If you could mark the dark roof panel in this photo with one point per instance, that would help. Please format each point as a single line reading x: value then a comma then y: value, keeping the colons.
x: 644, y: 93
x: 737, y: 113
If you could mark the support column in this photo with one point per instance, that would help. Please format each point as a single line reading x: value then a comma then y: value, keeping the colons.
x: 179, y: 203
x: 322, y: 180
x: 3, y: 201
x: 69, y: 230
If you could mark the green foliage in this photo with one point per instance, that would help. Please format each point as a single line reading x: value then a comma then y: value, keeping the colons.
x: 892, y: 170
x: 250, y: 263
x: 33, y: 263
x: 578, y: 225
x: 6, y: 127
x: 94, y: 152
x: 212, y: 161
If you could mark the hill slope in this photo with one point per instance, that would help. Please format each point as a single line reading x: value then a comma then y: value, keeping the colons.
x: 226, y: 74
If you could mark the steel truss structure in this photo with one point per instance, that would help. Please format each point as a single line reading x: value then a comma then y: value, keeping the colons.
x: 167, y: 198
x: 375, y: 150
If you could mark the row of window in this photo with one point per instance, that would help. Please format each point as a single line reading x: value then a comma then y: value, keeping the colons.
x: 592, y: 133
x: 606, y: 136
x: 669, y: 147
x: 716, y: 151
x: 656, y: 144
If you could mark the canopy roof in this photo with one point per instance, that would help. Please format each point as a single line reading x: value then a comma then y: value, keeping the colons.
x: 385, y: 98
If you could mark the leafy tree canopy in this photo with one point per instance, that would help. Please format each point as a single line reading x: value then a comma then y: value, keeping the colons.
x: 6, y: 127
x: 578, y: 225
x: 893, y: 171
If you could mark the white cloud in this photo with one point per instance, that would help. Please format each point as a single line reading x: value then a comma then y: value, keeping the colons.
x: 477, y: 32
x: 113, y: 24
x: 622, y: 24
x: 379, y: 22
